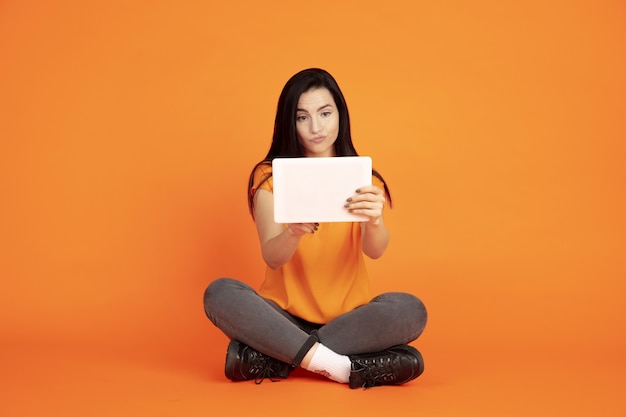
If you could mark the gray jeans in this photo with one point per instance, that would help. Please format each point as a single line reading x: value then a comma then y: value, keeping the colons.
x: 387, y: 320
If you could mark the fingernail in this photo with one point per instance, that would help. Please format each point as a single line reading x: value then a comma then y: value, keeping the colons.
x: 349, y: 199
x: 358, y: 190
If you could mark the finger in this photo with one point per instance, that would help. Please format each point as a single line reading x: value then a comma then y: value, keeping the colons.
x: 365, y: 204
x: 372, y: 189
x: 369, y: 211
x: 309, y: 227
x: 370, y: 197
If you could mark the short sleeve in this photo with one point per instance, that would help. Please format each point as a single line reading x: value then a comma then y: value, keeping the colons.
x: 262, y: 178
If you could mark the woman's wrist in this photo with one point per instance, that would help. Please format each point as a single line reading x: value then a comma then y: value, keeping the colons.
x: 375, y: 222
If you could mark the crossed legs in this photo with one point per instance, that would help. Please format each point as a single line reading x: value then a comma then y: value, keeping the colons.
x: 387, y: 320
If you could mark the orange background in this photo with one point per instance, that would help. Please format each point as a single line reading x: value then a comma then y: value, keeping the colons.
x: 128, y: 130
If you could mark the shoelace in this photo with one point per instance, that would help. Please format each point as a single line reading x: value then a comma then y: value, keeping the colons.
x: 263, y: 369
x: 378, y: 371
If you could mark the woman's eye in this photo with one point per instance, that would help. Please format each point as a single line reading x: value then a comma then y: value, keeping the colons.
x: 301, y: 118
x: 326, y: 114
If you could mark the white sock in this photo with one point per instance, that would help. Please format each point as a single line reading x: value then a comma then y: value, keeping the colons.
x: 330, y: 364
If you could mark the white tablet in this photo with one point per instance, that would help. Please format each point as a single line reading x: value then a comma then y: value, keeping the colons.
x: 308, y: 190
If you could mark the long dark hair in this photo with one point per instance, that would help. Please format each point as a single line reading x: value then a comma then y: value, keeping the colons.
x: 285, y: 141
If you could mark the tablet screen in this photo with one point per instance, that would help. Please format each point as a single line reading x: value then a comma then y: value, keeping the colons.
x: 308, y: 190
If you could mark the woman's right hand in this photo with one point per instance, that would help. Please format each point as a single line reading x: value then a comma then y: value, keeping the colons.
x: 301, y: 229
x: 278, y: 243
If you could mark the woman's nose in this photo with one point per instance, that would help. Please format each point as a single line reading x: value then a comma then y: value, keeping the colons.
x: 315, y: 125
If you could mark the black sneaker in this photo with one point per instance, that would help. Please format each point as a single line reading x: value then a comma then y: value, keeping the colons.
x: 244, y: 363
x: 394, y: 366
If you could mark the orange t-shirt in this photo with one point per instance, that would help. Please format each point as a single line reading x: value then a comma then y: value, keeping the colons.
x: 326, y: 276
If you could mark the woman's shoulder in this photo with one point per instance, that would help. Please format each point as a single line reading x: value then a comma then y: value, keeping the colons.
x: 262, y: 168
x: 261, y: 176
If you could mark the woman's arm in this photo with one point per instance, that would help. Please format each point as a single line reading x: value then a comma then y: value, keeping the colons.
x: 278, y: 243
x: 375, y: 238
x: 370, y: 201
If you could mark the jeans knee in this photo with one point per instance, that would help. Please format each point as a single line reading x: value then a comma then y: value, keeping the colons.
x: 216, y: 293
x: 409, y: 309
x: 214, y: 288
x: 418, y: 307
x: 418, y: 312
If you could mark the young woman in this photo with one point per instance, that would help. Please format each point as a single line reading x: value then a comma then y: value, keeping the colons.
x: 314, y: 309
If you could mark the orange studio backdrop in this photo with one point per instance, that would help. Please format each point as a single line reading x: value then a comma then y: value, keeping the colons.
x: 128, y: 129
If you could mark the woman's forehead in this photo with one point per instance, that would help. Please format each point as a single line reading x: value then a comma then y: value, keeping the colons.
x: 315, y: 98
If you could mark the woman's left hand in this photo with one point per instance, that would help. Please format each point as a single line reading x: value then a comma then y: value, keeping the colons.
x: 368, y: 201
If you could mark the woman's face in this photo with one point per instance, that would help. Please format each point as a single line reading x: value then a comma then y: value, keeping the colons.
x: 317, y: 122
